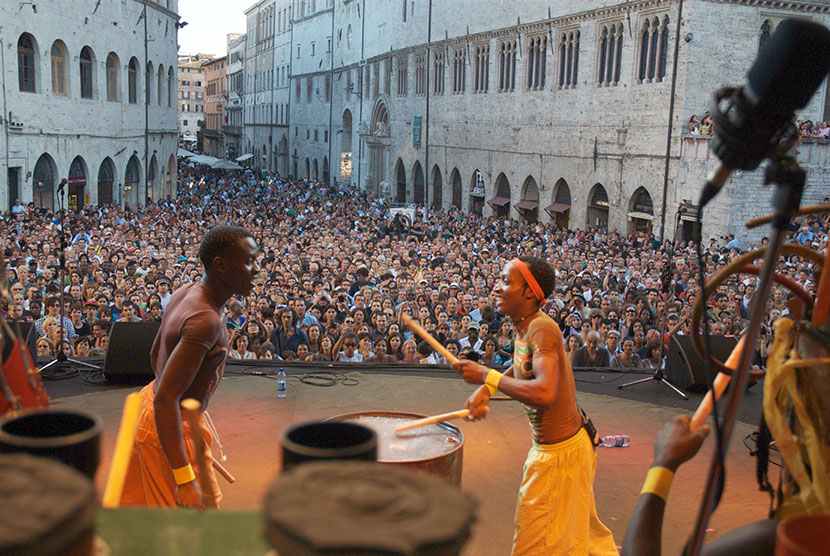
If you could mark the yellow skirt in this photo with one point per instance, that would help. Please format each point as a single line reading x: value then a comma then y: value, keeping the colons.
x: 555, y: 511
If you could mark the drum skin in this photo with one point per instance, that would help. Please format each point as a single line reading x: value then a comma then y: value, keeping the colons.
x: 435, y: 449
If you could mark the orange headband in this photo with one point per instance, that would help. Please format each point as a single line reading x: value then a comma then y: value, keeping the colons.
x: 529, y: 278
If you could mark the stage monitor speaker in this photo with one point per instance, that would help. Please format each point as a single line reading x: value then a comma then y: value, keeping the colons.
x: 128, y: 354
x: 684, y: 367
x: 28, y: 332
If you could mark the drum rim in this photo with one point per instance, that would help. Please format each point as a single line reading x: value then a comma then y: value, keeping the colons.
x: 45, y: 442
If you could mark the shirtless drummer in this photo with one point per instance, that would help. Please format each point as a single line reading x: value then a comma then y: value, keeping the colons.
x: 188, y: 358
x: 555, y: 512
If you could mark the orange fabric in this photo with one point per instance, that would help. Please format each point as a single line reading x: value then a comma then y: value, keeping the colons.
x: 150, y: 479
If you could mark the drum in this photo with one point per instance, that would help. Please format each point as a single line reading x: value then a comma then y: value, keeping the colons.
x: 330, y: 440
x: 436, y: 449
x: 20, y: 384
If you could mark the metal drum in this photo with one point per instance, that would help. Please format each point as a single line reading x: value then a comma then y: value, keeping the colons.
x: 436, y: 449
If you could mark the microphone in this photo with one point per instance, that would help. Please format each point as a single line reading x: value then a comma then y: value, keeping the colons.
x: 750, y: 121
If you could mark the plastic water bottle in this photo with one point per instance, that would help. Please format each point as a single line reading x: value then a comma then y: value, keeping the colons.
x: 615, y: 441
x: 281, y: 384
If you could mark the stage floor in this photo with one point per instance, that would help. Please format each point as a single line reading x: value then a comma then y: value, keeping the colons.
x: 250, y: 419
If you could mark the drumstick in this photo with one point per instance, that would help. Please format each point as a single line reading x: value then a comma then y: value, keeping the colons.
x: 123, y: 452
x: 222, y: 471
x: 190, y: 411
x: 460, y: 414
x: 721, y: 381
x: 419, y: 330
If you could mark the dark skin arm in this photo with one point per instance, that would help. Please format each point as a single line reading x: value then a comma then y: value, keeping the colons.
x: 176, y: 378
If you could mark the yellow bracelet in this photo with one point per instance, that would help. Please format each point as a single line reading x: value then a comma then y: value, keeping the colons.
x: 492, y: 381
x: 184, y: 474
x: 658, y: 482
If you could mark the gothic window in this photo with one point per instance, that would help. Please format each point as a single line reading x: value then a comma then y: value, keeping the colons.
x: 654, y: 43
x: 568, y: 59
x: 309, y: 85
x: 26, y: 63
x: 86, y: 72
x: 376, y: 82
x: 482, y: 69
x: 387, y: 78
x: 610, y: 54
x: 507, y: 66
x: 766, y: 30
x: 160, y: 85
x: 112, y: 77
x: 459, y: 70
x: 403, y: 77
x: 420, y: 75
x: 537, y: 48
x: 438, y: 73
x: 58, y: 69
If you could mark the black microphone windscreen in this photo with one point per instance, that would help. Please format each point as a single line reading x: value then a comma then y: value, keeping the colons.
x: 790, y: 67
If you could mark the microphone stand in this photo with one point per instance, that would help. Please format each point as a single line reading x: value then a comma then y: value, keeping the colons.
x: 61, y: 355
x: 790, y: 178
x: 659, y: 375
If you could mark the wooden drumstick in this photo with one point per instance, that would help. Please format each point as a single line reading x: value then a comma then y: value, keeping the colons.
x: 420, y: 331
x: 460, y: 414
x: 222, y: 471
x: 719, y: 385
x: 191, y: 411
x: 123, y: 451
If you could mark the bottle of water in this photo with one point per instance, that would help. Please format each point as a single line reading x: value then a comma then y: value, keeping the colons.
x: 615, y: 441
x: 281, y: 384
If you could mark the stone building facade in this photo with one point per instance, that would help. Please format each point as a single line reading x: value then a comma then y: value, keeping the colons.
x: 216, y: 80
x: 562, y: 115
x: 191, y: 94
x: 234, y: 94
x: 89, y: 95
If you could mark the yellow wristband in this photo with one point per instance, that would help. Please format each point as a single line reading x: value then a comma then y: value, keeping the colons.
x: 184, y: 474
x: 658, y: 482
x: 492, y: 381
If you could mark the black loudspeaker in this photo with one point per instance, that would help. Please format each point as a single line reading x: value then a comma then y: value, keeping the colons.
x: 128, y: 354
x: 684, y: 367
x: 27, y: 331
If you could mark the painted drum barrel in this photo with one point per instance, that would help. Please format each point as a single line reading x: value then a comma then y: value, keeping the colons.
x: 436, y: 449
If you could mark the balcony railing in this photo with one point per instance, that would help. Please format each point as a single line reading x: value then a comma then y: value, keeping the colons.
x: 810, y: 151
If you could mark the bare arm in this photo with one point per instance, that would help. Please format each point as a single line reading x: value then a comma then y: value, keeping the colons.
x: 540, y: 391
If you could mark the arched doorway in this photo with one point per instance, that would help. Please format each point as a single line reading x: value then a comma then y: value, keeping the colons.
x: 314, y: 168
x: 152, y: 194
x: 296, y: 172
x: 76, y: 185
x: 326, y: 170
x: 283, y: 156
x: 640, y: 212
x: 132, y: 177
x: 477, y: 190
x: 307, y: 169
x: 437, y: 188
x: 418, y: 182
x: 598, y: 207
x: 171, y: 177
x: 455, y: 179
x: 400, y: 173
x: 43, y: 182
x: 106, y: 177
x: 501, y: 202
x: 377, y: 142
x: 560, y: 209
x: 529, y: 205
x: 346, y: 148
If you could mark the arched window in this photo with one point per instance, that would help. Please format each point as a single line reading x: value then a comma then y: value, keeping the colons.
x: 58, y: 69
x: 26, y: 63
x: 148, y: 82
x: 133, y: 81
x: 766, y: 31
x: 171, y: 87
x: 87, y: 68
x: 112, y: 77
x: 654, y: 49
x: 610, y: 54
x: 568, y: 59
x: 160, y: 84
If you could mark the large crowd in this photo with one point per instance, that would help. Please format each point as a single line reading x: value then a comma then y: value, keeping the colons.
x: 338, y: 274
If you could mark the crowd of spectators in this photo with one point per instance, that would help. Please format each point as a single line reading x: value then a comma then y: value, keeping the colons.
x: 337, y: 275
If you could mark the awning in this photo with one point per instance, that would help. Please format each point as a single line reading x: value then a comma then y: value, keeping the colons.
x: 527, y: 205
x: 499, y: 201
x: 204, y: 159
x: 225, y: 165
x: 244, y: 157
x: 184, y: 152
x: 557, y: 207
x: 641, y: 216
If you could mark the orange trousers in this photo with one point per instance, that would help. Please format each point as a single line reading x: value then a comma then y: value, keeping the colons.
x: 150, y: 479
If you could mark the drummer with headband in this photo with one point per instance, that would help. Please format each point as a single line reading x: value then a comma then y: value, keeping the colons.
x: 555, y: 512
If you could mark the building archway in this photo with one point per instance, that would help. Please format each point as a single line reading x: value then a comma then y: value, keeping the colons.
x: 346, y: 148
x: 437, y: 188
x: 477, y: 193
x: 501, y: 202
x: 326, y: 170
x: 106, y: 178
x: 314, y: 169
x: 400, y: 174
x: 560, y: 209
x: 378, y: 138
x: 457, y: 194
x: 76, y: 185
x: 282, y: 154
x: 43, y: 182
x: 640, y: 212
x: 170, y: 178
x: 598, y: 207
x: 418, y: 184
x: 152, y: 171
x: 132, y: 177
x: 528, y: 207
x: 307, y: 169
